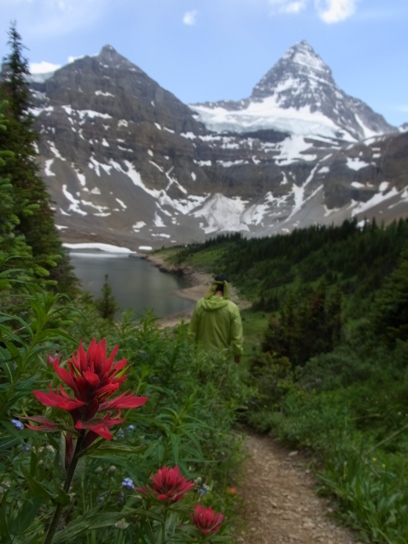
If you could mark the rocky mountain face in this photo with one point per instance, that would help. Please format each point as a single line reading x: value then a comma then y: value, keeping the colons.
x: 298, y: 94
x: 129, y: 164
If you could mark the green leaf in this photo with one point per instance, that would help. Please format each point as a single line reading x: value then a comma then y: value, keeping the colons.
x: 26, y: 516
x: 175, y: 447
x: 62, y: 497
x: 109, y: 448
x: 91, y: 521
x: 7, y: 442
x: 36, y: 489
x: 4, y: 528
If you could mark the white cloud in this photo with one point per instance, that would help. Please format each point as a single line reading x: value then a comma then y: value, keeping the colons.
x: 190, y: 17
x: 333, y: 11
x: 43, y: 67
x: 330, y: 11
x: 287, y: 6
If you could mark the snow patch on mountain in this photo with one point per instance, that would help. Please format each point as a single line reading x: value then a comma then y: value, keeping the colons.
x: 378, y: 198
x: 222, y: 214
x: 356, y: 163
x: 267, y: 114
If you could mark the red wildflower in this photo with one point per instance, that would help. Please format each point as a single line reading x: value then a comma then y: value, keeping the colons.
x: 100, y: 425
x: 207, y: 520
x: 93, y: 378
x: 168, y: 485
x: 47, y: 426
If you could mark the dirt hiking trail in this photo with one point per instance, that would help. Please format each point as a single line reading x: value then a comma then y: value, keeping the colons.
x: 279, y: 504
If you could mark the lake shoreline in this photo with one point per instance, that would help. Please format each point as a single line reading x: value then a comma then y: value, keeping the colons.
x: 200, y: 283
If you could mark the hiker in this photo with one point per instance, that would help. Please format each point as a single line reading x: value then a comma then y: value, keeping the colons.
x: 216, y: 321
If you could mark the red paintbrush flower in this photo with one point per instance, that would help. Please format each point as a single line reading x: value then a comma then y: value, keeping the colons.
x: 206, y: 520
x: 101, y: 426
x: 48, y: 426
x: 93, y: 378
x: 168, y: 485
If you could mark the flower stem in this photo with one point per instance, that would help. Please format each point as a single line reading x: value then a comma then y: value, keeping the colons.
x: 67, y: 484
x: 163, y: 535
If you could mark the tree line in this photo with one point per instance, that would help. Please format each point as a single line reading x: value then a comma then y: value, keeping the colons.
x: 29, y: 239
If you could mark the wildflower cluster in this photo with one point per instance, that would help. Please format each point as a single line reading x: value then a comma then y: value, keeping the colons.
x: 170, y: 486
x: 93, y: 378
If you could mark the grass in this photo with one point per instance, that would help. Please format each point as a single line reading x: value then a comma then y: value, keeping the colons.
x: 254, y: 324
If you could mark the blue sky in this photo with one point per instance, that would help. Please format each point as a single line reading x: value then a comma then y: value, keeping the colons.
x: 202, y: 50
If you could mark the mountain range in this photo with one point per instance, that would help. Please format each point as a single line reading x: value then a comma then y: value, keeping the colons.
x: 129, y: 164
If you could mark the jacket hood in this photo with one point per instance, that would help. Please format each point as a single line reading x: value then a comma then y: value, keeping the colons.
x: 215, y: 284
x: 214, y: 303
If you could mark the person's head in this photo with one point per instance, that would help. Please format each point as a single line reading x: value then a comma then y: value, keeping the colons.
x: 221, y: 283
x: 219, y: 287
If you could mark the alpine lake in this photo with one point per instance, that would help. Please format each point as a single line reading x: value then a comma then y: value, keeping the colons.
x: 136, y: 284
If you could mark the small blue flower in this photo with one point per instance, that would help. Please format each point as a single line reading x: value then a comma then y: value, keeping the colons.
x: 17, y: 423
x: 131, y: 427
x: 128, y: 483
x: 120, y: 433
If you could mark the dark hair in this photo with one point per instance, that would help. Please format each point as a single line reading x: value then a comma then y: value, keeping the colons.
x: 219, y: 282
x: 221, y: 277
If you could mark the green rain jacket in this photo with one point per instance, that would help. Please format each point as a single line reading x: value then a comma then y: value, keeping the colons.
x: 216, y: 324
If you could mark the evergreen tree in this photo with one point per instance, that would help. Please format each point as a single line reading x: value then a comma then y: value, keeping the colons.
x: 31, y: 201
x: 106, y: 305
x: 390, y: 312
x: 307, y: 324
x: 11, y: 246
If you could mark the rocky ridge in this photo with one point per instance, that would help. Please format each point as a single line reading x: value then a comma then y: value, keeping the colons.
x: 129, y: 164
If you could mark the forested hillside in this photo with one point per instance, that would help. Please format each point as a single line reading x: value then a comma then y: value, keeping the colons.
x: 328, y: 333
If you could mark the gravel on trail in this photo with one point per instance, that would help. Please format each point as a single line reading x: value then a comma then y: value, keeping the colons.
x: 280, y: 505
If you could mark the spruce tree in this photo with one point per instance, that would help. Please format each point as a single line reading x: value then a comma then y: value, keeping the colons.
x: 390, y: 309
x: 106, y: 305
x: 12, y: 246
x: 32, y: 203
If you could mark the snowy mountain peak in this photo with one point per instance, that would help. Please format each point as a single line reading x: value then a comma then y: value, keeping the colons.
x: 110, y: 58
x: 300, y: 62
x: 298, y: 95
x: 109, y: 54
x: 304, y: 56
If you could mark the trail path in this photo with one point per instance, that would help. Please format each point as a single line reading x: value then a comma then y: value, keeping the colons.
x: 279, y: 502
x: 280, y: 505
